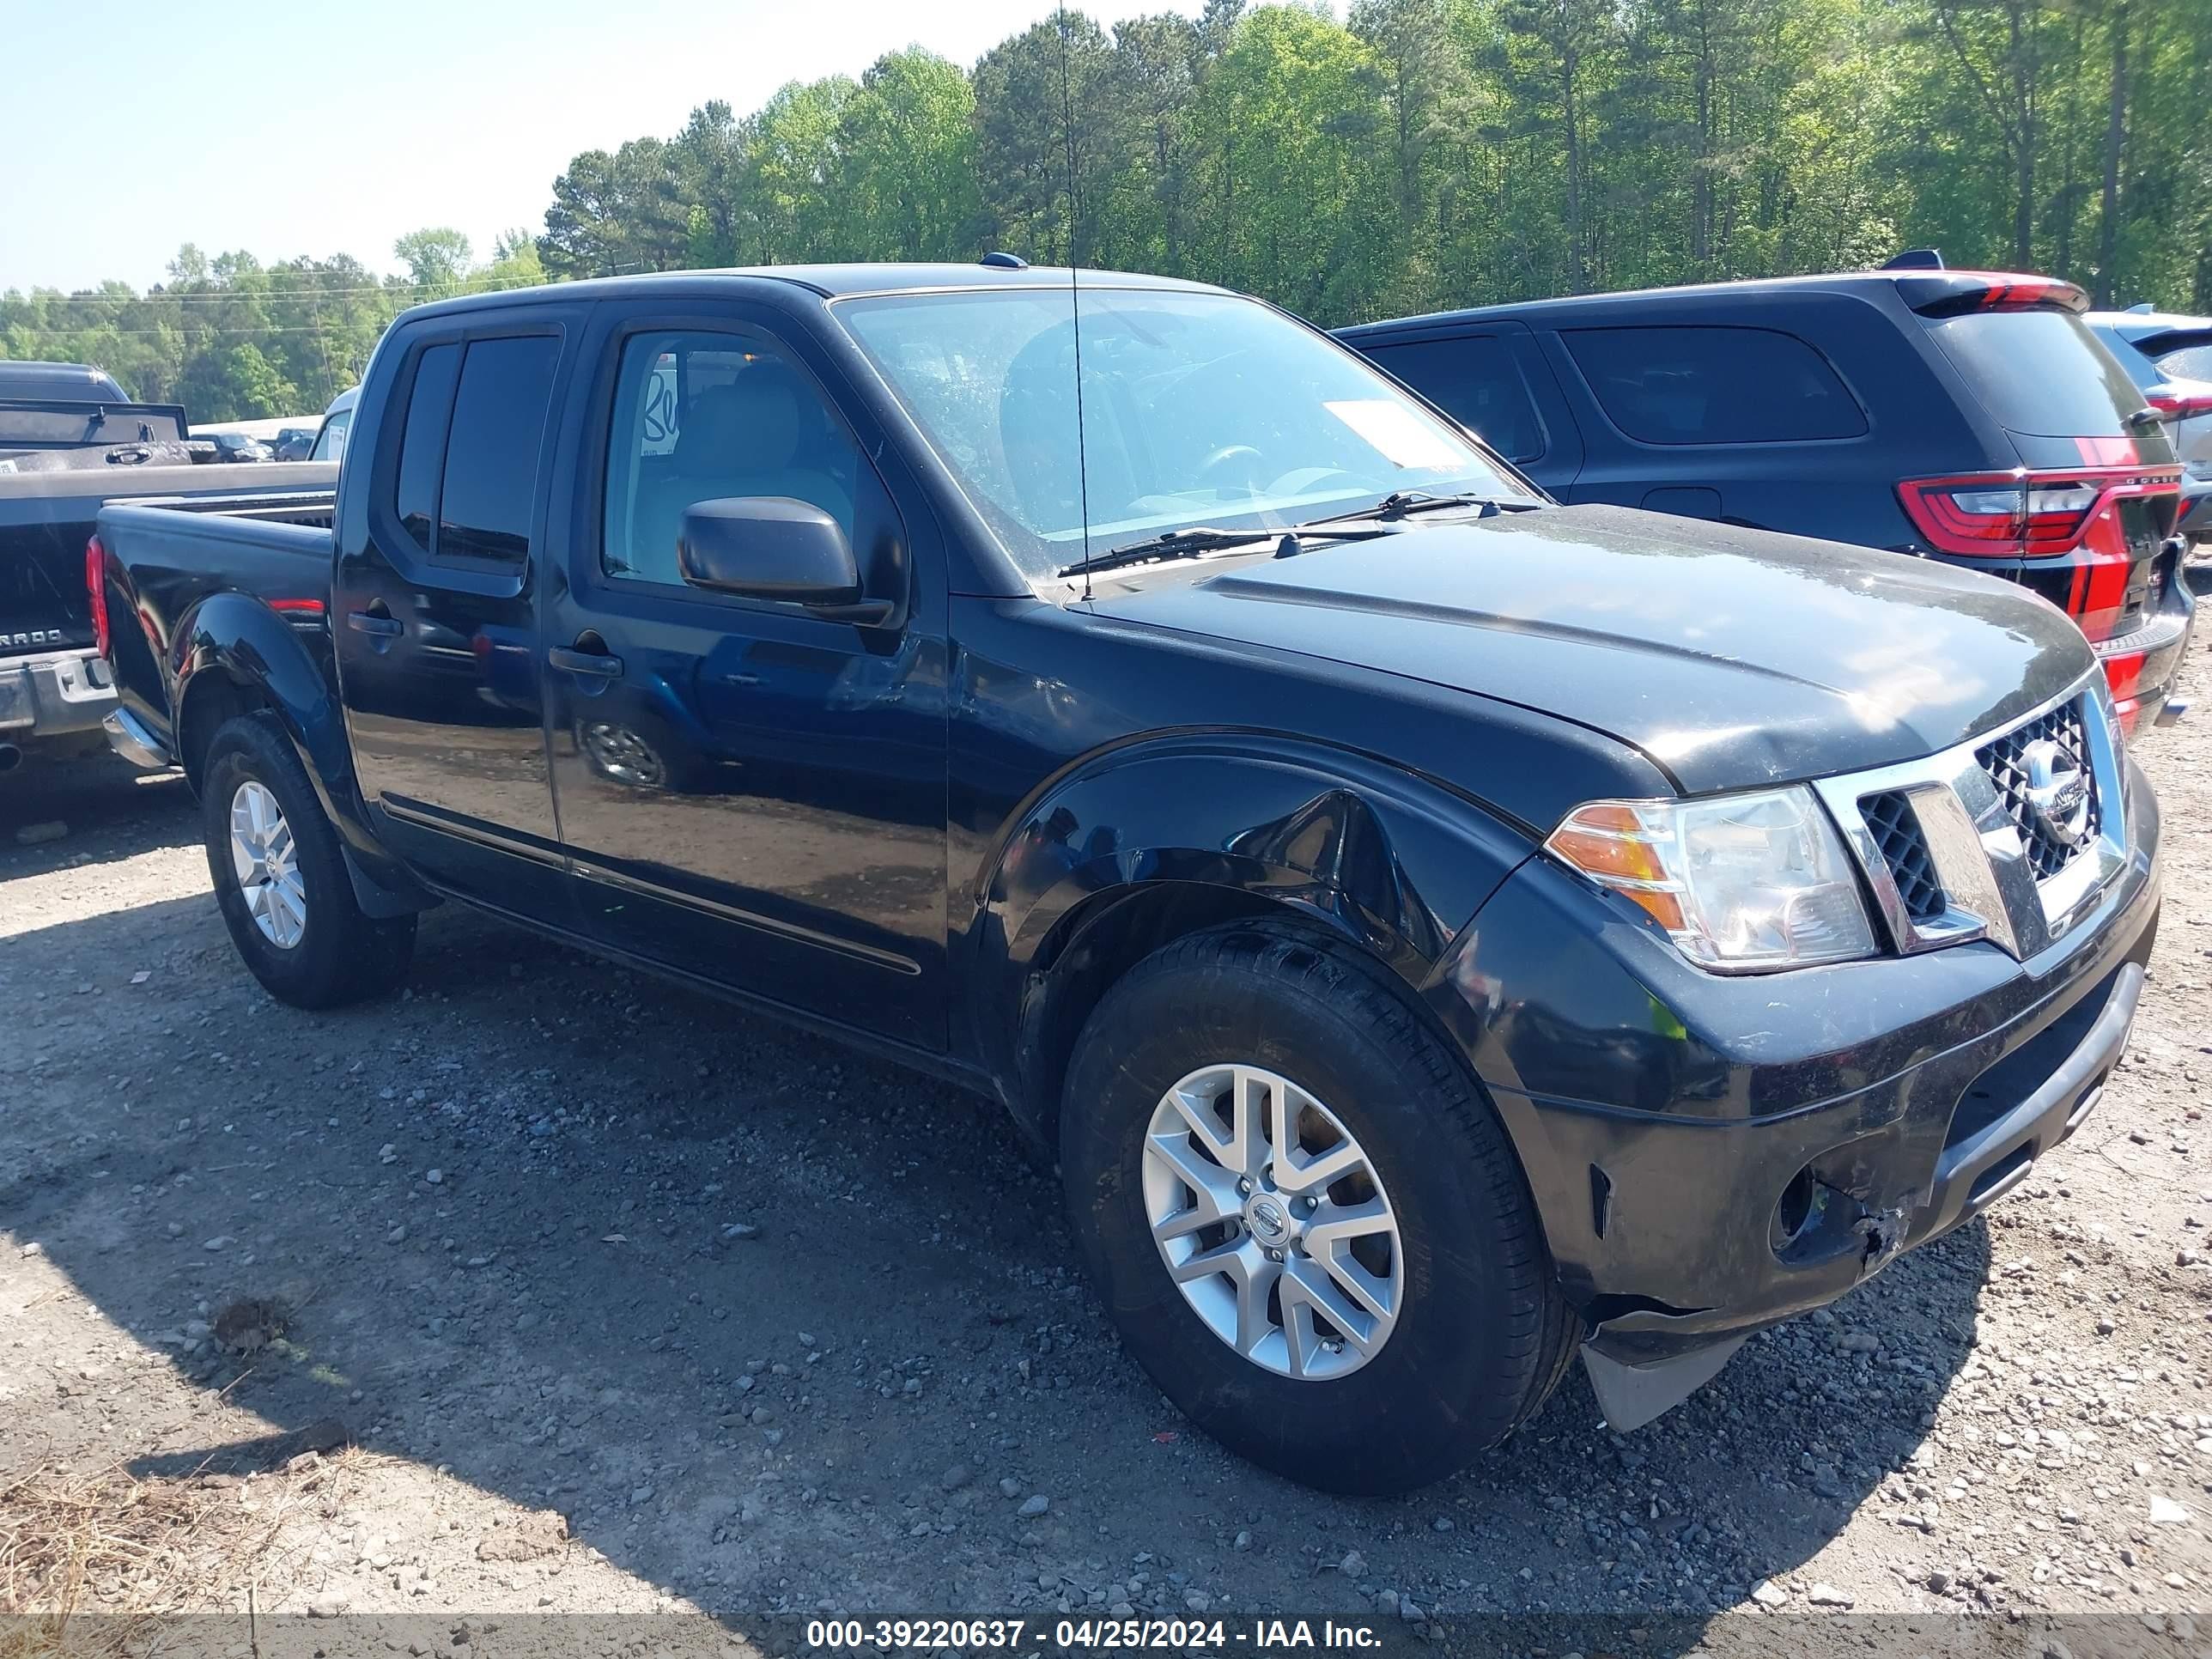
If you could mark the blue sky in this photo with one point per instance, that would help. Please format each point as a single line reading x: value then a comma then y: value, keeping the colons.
x: 327, y: 126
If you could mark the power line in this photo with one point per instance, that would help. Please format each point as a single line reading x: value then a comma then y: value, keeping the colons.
x: 243, y: 295
x: 203, y: 328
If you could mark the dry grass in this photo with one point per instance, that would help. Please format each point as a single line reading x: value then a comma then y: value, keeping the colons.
x: 89, y: 1562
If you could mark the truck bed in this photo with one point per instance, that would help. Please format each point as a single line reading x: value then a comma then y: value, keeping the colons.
x: 162, y: 560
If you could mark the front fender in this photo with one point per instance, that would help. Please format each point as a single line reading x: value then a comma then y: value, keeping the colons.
x: 1394, y: 862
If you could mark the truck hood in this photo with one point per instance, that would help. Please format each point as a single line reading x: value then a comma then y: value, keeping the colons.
x: 1730, y: 656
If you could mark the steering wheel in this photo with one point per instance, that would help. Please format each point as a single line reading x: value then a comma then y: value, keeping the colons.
x: 1228, y: 454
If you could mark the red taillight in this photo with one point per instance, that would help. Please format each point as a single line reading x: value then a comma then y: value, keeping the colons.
x: 298, y: 607
x: 2024, y: 293
x: 2179, y: 400
x: 1953, y: 292
x: 2123, y: 674
x: 1992, y: 515
x: 1999, y: 515
x: 95, y: 587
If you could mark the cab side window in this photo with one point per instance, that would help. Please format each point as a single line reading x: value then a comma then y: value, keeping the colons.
x: 468, y: 454
x: 700, y: 417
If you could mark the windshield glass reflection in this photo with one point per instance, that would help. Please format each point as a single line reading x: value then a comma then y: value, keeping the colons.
x: 1197, y: 409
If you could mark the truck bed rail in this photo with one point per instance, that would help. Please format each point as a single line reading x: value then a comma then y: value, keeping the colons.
x: 312, y: 508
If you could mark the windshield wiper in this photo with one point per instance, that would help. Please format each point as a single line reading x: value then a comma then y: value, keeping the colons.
x: 1169, y: 544
x: 1399, y: 503
x: 1206, y: 539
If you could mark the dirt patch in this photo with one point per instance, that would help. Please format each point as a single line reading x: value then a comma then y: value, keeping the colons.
x: 90, y: 1562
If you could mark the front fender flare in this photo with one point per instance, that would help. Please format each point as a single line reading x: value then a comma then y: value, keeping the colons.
x: 1393, y: 862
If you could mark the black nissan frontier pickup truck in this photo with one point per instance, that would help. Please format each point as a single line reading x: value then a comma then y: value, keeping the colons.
x: 1436, y: 931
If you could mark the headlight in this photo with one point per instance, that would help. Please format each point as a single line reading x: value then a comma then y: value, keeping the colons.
x: 1741, y: 883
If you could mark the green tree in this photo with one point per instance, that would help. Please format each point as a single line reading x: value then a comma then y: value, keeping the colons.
x: 1053, y: 138
x: 905, y: 147
x: 436, y: 259
x: 1288, y: 120
x: 792, y: 160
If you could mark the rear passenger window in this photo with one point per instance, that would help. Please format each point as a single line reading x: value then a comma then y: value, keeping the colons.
x: 422, y: 444
x: 1475, y: 380
x: 1714, y: 385
x: 491, y: 459
x: 468, y: 458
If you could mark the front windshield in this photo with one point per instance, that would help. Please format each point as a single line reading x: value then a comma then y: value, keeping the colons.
x: 1198, y: 409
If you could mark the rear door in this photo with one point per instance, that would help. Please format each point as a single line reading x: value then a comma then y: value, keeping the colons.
x: 1491, y: 378
x: 433, y: 609
x: 1739, y: 407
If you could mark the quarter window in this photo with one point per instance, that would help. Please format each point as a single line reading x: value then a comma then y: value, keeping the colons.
x: 1714, y: 385
x: 423, y: 443
x: 700, y: 418
x: 1475, y: 380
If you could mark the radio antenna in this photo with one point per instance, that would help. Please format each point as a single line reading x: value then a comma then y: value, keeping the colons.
x: 1075, y: 300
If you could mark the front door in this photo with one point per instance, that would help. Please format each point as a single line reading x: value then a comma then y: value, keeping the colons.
x: 435, y: 614
x: 750, y: 792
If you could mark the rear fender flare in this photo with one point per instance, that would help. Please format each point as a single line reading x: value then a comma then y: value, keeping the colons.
x: 237, y: 638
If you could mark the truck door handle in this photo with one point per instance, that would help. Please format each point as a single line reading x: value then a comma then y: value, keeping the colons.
x: 367, y: 622
x: 597, y: 664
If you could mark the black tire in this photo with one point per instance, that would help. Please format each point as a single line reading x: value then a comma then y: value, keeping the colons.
x: 342, y: 955
x: 1483, y: 1335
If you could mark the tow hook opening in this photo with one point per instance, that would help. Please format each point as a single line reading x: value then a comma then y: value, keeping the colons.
x: 1794, y: 1209
x: 1816, y: 1220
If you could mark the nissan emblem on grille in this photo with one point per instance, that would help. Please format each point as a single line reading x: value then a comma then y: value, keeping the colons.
x: 2058, y: 790
x: 2041, y: 771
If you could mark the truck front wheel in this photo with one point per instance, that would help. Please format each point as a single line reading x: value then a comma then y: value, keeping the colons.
x: 281, y: 879
x: 1309, y: 1226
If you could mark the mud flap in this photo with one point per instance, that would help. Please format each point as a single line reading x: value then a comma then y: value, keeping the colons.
x: 1632, y: 1396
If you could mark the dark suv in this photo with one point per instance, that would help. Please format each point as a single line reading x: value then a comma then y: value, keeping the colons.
x: 1963, y: 416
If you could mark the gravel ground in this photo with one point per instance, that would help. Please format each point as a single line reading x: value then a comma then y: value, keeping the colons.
x: 624, y: 1301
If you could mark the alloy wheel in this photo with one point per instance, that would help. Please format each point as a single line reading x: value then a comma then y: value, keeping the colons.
x: 1273, y: 1221
x: 266, y: 862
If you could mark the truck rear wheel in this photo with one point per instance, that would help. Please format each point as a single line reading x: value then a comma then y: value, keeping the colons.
x: 281, y: 879
x: 1309, y: 1226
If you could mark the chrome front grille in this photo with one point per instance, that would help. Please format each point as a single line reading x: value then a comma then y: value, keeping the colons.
x: 1904, y: 851
x: 2006, y: 761
x: 1992, y: 839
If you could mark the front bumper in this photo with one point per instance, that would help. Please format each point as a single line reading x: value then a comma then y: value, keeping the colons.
x: 55, y: 694
x: 1712, y: 1156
